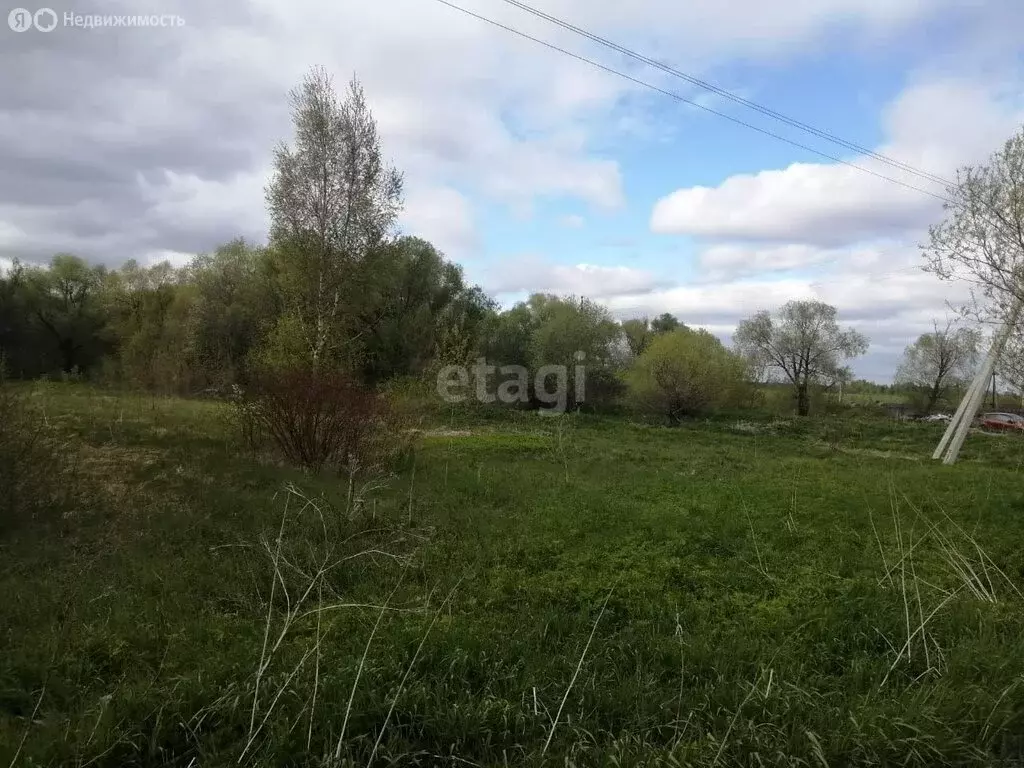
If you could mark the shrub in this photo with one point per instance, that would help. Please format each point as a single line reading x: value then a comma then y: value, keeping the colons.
x: 410, y: 398
x: 687, y: 373
x: 318, y: 419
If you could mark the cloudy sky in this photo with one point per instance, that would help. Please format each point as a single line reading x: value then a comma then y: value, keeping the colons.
x: 533, y: 170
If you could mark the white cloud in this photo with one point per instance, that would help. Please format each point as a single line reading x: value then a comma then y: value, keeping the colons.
x: 728, y: 261
x: 11, y: 236
x: 459, y: 103
x: 443, y: 216
x: 732, y: 259
x: 858, y: 295
x: 805, y: 203
x: 891, y: 307
x: 534, y: 275
x: 932, y: 126
x: 176, y: 258
x: 572, y: 221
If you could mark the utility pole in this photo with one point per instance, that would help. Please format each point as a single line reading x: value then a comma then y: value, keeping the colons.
x: 995, y: 406
x: 959, y: 425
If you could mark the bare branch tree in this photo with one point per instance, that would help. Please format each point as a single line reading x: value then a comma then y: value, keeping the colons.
x: 982, y: 238
x: 804, y: 342
x: 938, y: 360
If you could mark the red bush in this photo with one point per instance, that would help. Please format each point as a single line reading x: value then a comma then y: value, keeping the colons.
x: 315, y: 418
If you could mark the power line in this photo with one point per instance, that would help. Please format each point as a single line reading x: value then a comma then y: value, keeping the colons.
x: 732, y: 96
x: 692, y: 103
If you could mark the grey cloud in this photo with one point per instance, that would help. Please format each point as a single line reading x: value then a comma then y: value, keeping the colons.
x: 97, y: 118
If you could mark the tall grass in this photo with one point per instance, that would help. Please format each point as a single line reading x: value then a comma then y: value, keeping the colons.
x: 37, y: 477
x: 776, y: 602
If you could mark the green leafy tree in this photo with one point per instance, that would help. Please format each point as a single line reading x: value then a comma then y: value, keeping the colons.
x: 148, y: 318
x: 332, y: 203
x: 508, y: 335
x: 685, y: 373
x: 424, y: 311
x: 665, y: 323
x: 64, y: 299
x: 462, y: 326
x: 236, y: 305
x: 22, y: 345
x: 1011, y: 361
x: 804, y: 342
x: 572, y: 331
x: 638, y: 333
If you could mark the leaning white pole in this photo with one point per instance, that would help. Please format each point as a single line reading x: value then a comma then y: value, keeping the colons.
x: 954, y: 423
x: 961, y: 410
x: 972, y: 400
x: 965, y: 404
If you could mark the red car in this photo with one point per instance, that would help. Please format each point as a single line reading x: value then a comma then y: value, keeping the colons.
x: 1003, y: 422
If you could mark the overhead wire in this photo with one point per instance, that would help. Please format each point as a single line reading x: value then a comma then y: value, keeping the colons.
x: 896, y: 164
x: 691, y: 102
x: 693, y: 80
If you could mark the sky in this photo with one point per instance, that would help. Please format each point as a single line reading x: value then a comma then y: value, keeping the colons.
x: 533, y: 170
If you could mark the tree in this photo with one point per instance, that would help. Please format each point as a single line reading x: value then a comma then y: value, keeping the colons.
x: 235, y: 306
x: 423, y: 310
x: 462, y: 326
x: 332, y: 202
x: 937, y: 360
x: 665, y: 323
x: 575, y: 331
x: 685, y: 373
x: 20, y: 342
x: 148, y: 311
x: 64, y: 299
x: 638, y: 334
x: 1010, y: 366
x: 508, y: 334
x: 982, y: 237
x: 803, y: 341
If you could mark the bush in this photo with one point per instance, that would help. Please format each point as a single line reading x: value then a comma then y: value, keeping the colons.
x: 687, y: 373
x: 319, y: 419
x: 410, y: 398
x: 33, y: 481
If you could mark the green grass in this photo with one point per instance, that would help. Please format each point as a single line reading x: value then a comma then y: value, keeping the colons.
x: 738, y: 591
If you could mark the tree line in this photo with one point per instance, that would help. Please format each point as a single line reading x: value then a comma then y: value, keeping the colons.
x: 337, y: 288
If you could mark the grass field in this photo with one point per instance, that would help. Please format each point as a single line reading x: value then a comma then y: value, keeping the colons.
x: 525, y: 591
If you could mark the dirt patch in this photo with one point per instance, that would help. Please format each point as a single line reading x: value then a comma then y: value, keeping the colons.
x: 108, y: 460
x: 441, y: 432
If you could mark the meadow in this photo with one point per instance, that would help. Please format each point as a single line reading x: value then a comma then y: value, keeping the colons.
x: 572, y: 591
